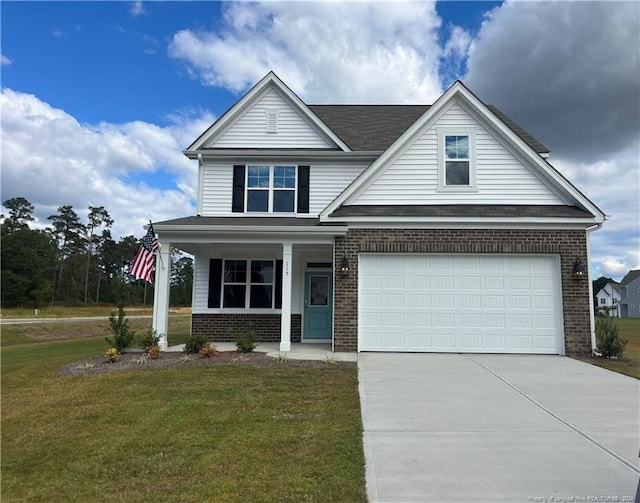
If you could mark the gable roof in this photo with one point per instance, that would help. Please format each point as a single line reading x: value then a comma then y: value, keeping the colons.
x: 271, y: 80
x: 630, y: 277
x: 376, y: 127
x: 614, y: 286
x: 458, y: 91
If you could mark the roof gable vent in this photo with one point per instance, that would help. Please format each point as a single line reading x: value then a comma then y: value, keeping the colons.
x: 271, y: 120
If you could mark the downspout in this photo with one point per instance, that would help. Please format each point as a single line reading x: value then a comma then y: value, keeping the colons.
x: 592, y: 318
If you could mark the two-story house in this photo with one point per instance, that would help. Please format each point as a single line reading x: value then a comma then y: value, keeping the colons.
x: 382, y: 228
x: 607, y: 299
x: 630, y: 295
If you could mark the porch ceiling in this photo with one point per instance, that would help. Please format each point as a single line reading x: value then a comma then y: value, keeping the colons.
x: 192, y: 233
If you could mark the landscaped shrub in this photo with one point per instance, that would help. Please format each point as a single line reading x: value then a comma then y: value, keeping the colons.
x: 246, y: 341
x: 609, y: 342
x: 112, y: 354
x: 148, y: 339
x: 208, y: 351
x: 123, y: 336
x: 153, y: 352
x: 194, y: 344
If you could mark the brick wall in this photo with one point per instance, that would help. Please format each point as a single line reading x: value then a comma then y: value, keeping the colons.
x: 568, y: 244
x: 223, y: 327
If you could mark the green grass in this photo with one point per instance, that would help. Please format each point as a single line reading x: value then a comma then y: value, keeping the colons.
x: 220, y: 433
x: 629, y: 364
x: 63, y: 312
x: 10, y: 335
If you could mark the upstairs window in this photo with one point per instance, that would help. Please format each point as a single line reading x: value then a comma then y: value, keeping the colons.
x: 456, y: 153
x: 456, y: 159
x: 271, y: 189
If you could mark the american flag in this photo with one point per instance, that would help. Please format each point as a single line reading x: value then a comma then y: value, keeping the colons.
x: 144, y: 263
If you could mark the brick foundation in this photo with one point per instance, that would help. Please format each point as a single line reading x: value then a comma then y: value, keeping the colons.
x: 224, y: 327
x: 568, y: 244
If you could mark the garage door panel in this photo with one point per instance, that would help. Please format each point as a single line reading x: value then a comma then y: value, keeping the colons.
x: 422, y: 341
x: 443, y: 301
x: 492, y: 283
x: 483, y: 303
x: 444, y: 341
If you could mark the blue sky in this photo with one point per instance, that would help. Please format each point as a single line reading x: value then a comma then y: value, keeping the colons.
x: 99, y: 98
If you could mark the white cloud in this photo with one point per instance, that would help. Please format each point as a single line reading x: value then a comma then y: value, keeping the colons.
x: 99, y: 165
x: 327, y: 52
x: 568, y: 73
x: 137, y: 9
x: 4, y: 60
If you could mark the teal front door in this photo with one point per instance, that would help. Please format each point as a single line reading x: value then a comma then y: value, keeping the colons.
x: 318, y: 305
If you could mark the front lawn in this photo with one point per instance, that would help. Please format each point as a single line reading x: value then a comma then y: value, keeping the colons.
x: 629, y: 364
x: 219, y: 433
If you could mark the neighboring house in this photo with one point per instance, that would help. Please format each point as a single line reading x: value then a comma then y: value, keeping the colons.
x: 630, y: 295
x: 382, y: 228
x: 607, y: 299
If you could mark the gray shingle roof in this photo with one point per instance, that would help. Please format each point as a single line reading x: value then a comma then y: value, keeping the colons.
x: 240, y: 221
x: 376, y: 127
x: 630, y: 276
x: 368, y: 127
x: 461, y: 210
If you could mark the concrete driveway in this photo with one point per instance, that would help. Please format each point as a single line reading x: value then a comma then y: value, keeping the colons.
x: 491, y: 428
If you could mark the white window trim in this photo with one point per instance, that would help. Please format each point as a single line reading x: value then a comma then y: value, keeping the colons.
x: 444, y: 131
x: 247, y: 284
x: 271, y: 190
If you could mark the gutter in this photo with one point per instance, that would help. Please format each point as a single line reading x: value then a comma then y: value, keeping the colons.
x: 298, y: 155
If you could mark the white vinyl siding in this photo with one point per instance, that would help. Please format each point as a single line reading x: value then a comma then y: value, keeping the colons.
x: 250, y: 129
x: 412, y: 178
x: 217, y: 185
x: 326, y: 182
x: 460, y: 303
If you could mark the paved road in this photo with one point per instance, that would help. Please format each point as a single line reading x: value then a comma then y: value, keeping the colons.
x: 497, y: 428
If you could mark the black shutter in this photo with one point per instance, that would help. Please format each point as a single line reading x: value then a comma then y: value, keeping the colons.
x: 303, y: 189
x: 215, y: 282
x: 278, y: 285
x: 237, y: 204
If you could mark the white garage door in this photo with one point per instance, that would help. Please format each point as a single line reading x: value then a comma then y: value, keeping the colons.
x: 460, y: 303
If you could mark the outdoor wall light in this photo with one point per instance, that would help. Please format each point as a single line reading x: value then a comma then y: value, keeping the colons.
x: 344, y: 267
x: 579, y: 272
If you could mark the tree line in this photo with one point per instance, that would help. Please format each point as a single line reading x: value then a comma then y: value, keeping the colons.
x: 74, y: 262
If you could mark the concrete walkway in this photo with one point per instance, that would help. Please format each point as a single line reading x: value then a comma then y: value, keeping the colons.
x: 497, y: 428
x: 298, y: 351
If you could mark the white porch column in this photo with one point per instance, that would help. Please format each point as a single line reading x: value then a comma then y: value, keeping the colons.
x: 161, y: 294
x: 285, y: 317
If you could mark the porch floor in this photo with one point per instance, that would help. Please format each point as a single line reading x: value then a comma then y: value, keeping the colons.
x: 298, y: 351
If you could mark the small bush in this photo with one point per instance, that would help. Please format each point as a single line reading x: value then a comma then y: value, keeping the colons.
x: 609, y: 342
x: 209, y: 351
x: 194, y: 344
x: 123, y: 336
x: 112, y: 355
x: 148, y: 339
x: 246, y: 341
x: 153, y: 352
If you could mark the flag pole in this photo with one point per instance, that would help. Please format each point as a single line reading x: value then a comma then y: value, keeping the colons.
x: 158, y: 254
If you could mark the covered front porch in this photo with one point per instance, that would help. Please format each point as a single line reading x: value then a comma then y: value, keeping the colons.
x: 255, y: 275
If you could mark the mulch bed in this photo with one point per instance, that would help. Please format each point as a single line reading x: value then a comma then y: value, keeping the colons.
x: 131, y: 361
